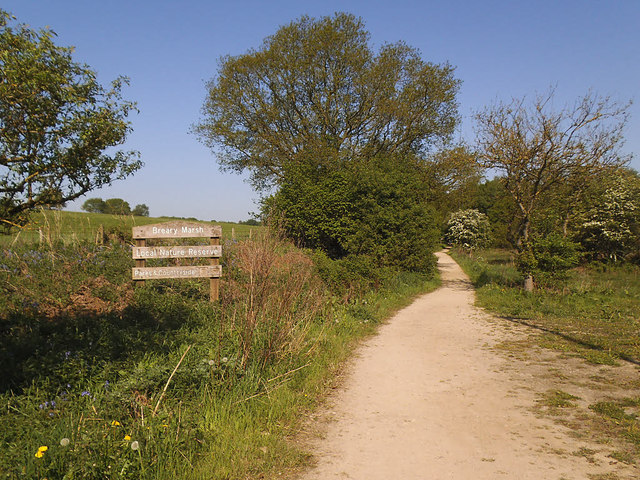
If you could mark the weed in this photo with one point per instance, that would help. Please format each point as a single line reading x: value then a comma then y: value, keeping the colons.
x: 557, y: 399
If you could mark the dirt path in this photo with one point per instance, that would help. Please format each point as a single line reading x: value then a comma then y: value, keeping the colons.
x: 429, y: 398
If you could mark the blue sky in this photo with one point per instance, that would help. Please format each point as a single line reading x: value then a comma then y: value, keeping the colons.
x: 501, y: 49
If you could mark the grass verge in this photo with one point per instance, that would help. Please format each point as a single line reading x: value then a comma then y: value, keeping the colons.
x: 591, y: 314
x: 100, y: 380
x: 594, y: 312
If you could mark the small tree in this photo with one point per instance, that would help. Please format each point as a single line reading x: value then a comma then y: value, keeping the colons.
x: 541, y: 152
x: 140, y: 210
x: 549, y: 257
x: 468, y: 229
x: 56, y: 125
x: 94, y: 205
x: 117, y: 206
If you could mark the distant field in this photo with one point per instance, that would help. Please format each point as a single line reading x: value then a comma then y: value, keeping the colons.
x: 69, y: 227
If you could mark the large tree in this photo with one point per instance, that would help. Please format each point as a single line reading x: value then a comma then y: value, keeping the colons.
x: 57, y: 124
x: 316, y: 92
x: 540, y: 151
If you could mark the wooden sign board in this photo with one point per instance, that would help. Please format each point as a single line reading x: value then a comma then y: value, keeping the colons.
x: 151, y: 273
x: 177, y: 230
x: 194, y: 251
x: 141, y: 252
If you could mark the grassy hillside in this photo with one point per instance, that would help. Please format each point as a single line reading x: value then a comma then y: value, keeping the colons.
x: 68, y: 227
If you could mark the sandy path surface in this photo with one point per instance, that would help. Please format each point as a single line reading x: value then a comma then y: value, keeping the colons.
x: 428, y: 398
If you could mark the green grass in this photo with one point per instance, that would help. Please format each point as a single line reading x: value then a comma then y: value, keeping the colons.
x: 594, y: 312
x: 54, y: 226
x: 85, y: 360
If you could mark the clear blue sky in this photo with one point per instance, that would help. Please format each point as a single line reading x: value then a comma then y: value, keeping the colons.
x: 169, y: 49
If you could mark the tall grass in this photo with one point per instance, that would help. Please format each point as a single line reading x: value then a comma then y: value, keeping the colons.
x: 156, y: 382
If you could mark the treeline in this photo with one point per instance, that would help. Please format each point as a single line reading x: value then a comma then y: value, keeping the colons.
x: 354, y: 152
x: 603, y: 225
x: 114, y: 206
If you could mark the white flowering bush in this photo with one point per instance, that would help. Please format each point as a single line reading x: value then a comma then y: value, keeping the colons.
x: 610, y: 229
x: 468, y: 229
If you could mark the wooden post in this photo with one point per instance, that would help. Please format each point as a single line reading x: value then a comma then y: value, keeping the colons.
x: 140, y: 242
x: 214, y: 282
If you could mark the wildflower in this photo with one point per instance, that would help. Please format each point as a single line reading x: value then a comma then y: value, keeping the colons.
x: 65, y: 442
x: 127, y: 438
x: 224, y: 360
x: 135, y: 445
x: 115, y: 423
x: 41, y: 450
x: 85, y: 393
x: 211, y: 363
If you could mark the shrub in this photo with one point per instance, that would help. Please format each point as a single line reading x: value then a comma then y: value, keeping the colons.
x: 374, y: 207
x: 468, y: 229
x: 548, y: 258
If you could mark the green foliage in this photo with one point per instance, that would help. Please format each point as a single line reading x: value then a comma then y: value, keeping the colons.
x: 555, y: 254
x: 252, y: 222
x: 492, y: 199
x: 468, y: 229
x: 548, y: 258
x: 140, y: 210
x: 377, y: 208
x: 453, y: 174
x: 71, y: 122
x: 94, y: 205
x: 316, y: 92
x: 117, y: 206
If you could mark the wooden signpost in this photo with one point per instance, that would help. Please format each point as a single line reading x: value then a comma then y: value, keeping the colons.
x: 213, y: 251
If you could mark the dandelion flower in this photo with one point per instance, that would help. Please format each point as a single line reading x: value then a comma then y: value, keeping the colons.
x: 127, y: 438
x: 211, y: 363
x: 115, y: 423
x: 135, y: 445
x: 41, y: 450
x: 224, y: 360
x: 65, y: 442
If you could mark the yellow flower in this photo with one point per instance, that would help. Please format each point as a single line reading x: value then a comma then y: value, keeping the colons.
x: 127, y: 438
x: 41, y: 450
x: 115, y: 423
